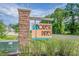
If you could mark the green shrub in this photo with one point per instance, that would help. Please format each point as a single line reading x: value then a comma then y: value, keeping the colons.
x: 53, y: 47
x: 3, y: 53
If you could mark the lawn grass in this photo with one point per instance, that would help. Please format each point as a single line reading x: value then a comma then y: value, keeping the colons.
x: 10, y: 37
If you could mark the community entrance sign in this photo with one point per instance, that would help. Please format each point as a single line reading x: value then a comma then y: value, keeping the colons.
x: 41, y: 31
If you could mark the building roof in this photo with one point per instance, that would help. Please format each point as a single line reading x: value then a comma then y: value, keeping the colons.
x: 41, y: 18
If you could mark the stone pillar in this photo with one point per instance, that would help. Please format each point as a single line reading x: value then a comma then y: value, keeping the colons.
x: 23, y: 27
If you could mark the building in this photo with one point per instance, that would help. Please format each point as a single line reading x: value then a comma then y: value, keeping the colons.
x: 10, y: 31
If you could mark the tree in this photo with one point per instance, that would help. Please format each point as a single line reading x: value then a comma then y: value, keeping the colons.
x: 64, y: 20
x: 77, y: 22
x: 59, y: 15
x: 2, y: 29
x: 72, y: 9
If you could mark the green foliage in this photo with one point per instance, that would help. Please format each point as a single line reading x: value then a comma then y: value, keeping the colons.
x: 3, y: 53
x: 52, y: 47
x: 58, y: 17
x: 64, y: 20
x: 2, y: 29
x: 44, y: 21
x: 9, y: 37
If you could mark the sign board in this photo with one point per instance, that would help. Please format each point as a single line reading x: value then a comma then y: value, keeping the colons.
x: 41, y: 31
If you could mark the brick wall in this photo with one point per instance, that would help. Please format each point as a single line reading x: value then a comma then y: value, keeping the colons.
x: 23, y: 26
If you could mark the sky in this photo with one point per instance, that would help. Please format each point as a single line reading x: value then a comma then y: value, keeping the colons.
x: 9, y: 11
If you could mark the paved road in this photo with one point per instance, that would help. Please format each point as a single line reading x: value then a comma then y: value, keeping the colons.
x: 65, y: 36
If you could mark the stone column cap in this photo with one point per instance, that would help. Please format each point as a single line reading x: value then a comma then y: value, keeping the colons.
x: 24, y: 10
